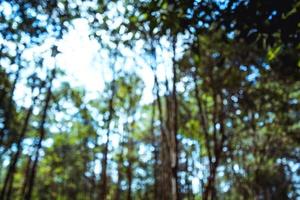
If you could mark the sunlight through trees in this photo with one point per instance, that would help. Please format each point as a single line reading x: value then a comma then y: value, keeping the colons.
x: 137, y: 100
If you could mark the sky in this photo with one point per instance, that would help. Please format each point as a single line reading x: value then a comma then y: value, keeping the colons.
x: 87, y: 65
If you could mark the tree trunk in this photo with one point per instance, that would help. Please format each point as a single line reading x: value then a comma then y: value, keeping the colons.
x: 210, y: 190
x: 26, y: 175
x: 155, y: 154
x: 165, y: 143
x: 42, y: 136
x: 129, y: 177
x: 174, y: 142
x: 103, y: 185
x: 8, y: 112
x: 120, y: 174
x: 6, y: 191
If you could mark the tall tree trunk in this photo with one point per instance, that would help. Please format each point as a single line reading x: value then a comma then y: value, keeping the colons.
x: 120, y: 174
x: 42, y: 136
x: 130, y: 157
x: 155, y: 153
x: 165, y: 189
x: 202, y: 118
x: 174, y: 142
x: 165, y: 147
x: 210, y: 189
x: 203, y: 123
x: 6, y: 191
x: 103, y: 185
x: 26, y: 175
x: 8, y: 112
x: 129, y: 172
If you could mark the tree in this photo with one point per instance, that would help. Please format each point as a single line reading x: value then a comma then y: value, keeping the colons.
x: 222, y: 121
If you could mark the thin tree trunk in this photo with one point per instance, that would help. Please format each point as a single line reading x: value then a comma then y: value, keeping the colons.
x: 12, y: 167
x: 155, y: 153
x: 210, y: 190
x: 129, y: 172
x: 26, y: 175
x: 174, y: 153
x: 202, y: 119
x: 120, y: 174
x: 165, y: 149
x: 130, y: 157
x: 8, y: 112
x: 42, y: 136
x: 165, y: 174
x: 103, y: 184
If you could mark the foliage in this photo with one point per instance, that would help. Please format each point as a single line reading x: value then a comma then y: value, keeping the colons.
x: 222, y: 121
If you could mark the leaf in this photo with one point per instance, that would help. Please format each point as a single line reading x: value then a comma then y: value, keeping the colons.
x: 273, y: 52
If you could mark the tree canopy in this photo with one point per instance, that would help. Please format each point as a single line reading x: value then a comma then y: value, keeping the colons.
x: 221, y: 120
